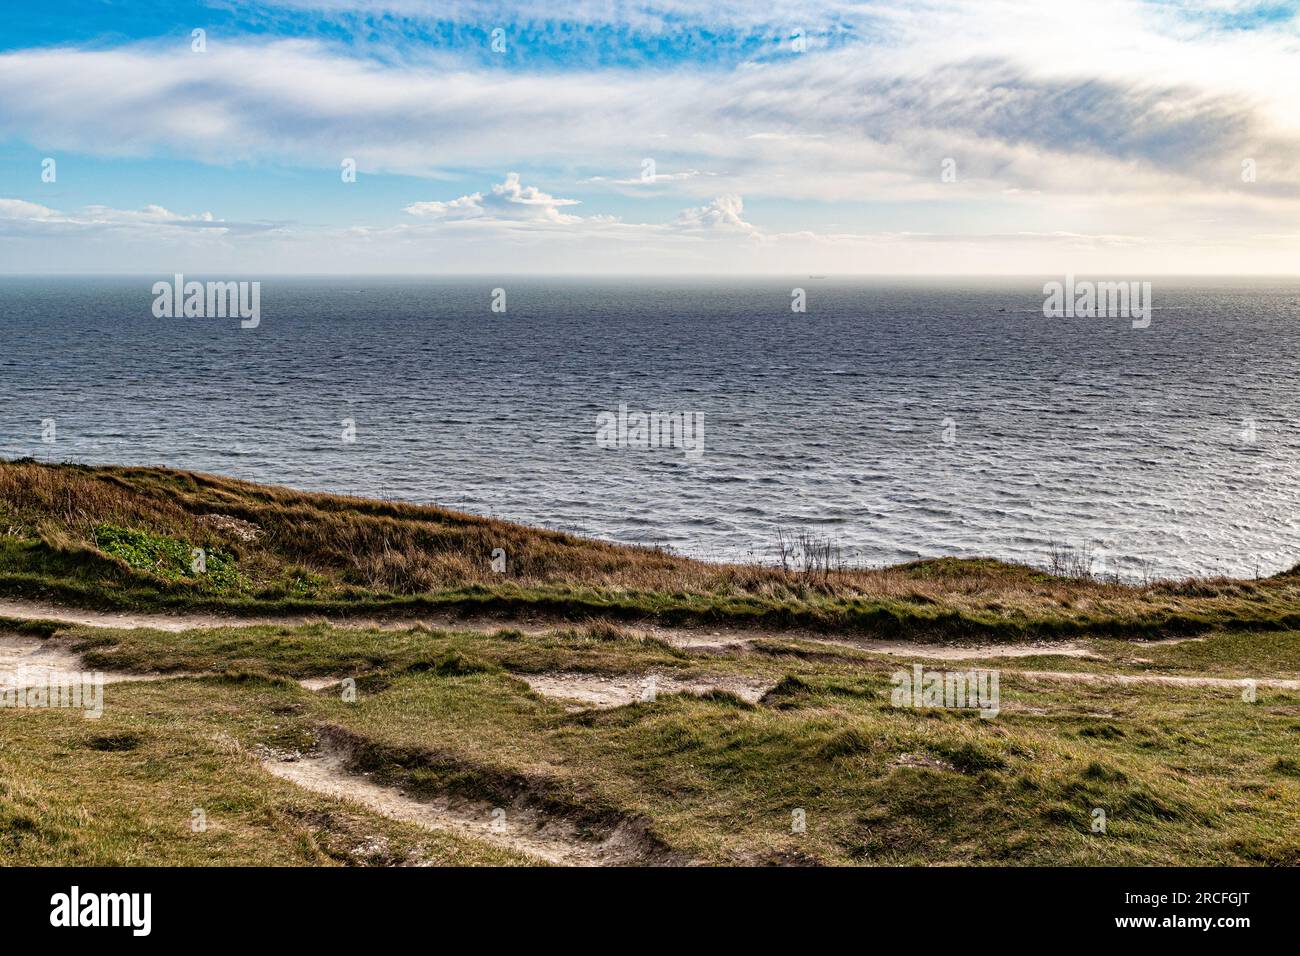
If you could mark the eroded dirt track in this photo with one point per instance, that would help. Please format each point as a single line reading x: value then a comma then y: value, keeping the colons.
x: 699, y: 640
x: 526, y: 831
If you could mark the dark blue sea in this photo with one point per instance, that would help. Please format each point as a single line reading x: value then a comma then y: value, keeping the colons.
x: 902, y: 419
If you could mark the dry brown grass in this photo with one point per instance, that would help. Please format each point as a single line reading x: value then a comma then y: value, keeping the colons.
x: 405, y: 549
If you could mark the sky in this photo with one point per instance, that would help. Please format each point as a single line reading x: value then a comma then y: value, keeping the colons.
x: 575, y: 137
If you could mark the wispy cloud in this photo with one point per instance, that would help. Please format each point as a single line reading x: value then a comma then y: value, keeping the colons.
x: 18, y: 216
x: 647, y: 179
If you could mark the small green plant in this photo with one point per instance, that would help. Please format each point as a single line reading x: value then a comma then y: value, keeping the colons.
x: 300, y: 583
x: 168, y: 558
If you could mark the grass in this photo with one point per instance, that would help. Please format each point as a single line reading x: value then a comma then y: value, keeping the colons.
x: 1190, y: 776
x: 123, y: 538
x: 1184, y: 775
x: 123, y: 790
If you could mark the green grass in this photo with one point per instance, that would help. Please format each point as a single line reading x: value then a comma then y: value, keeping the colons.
x: 123, y: 790
x: 1188, y: 776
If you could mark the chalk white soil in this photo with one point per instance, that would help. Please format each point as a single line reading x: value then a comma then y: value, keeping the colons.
x: 30, y: 661
x: 318, y: 683
x: 525, y: 831
x: 602, y: 691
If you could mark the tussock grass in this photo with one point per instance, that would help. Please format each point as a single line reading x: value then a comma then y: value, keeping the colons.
x: 112, y: 537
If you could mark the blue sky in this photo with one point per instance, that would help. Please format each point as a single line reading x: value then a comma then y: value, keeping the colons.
x: 930, y: 136
x: 540, y: 36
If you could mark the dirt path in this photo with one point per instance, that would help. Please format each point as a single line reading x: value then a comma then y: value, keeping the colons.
x: 603, y: 691
x: 30, y: 661
x: 31, y: 655
x: 702, y: 640
x: 522, y: 830
x: 1165, y: 680
x: 37, y: 611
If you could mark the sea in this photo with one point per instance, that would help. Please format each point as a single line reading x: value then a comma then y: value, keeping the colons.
x: 894, y: 419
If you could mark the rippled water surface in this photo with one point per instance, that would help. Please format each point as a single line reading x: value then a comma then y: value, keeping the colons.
x: 1169, y: 450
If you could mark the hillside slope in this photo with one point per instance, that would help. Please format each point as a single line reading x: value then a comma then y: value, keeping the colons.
x: 126, y: 538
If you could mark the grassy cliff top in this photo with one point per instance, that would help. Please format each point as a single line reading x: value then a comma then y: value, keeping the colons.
x: 126, y: 538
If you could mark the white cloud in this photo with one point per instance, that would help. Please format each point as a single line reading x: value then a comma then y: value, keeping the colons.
x: 653, y: 179
x: 151, y: 214
x: 22, y: 219
x: 510, y: 204
x: 508, y: 201
x: 723, y: 213
x: 20, y: 209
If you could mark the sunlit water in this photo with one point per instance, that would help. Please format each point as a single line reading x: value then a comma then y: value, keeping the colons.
x: 901, y: 419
